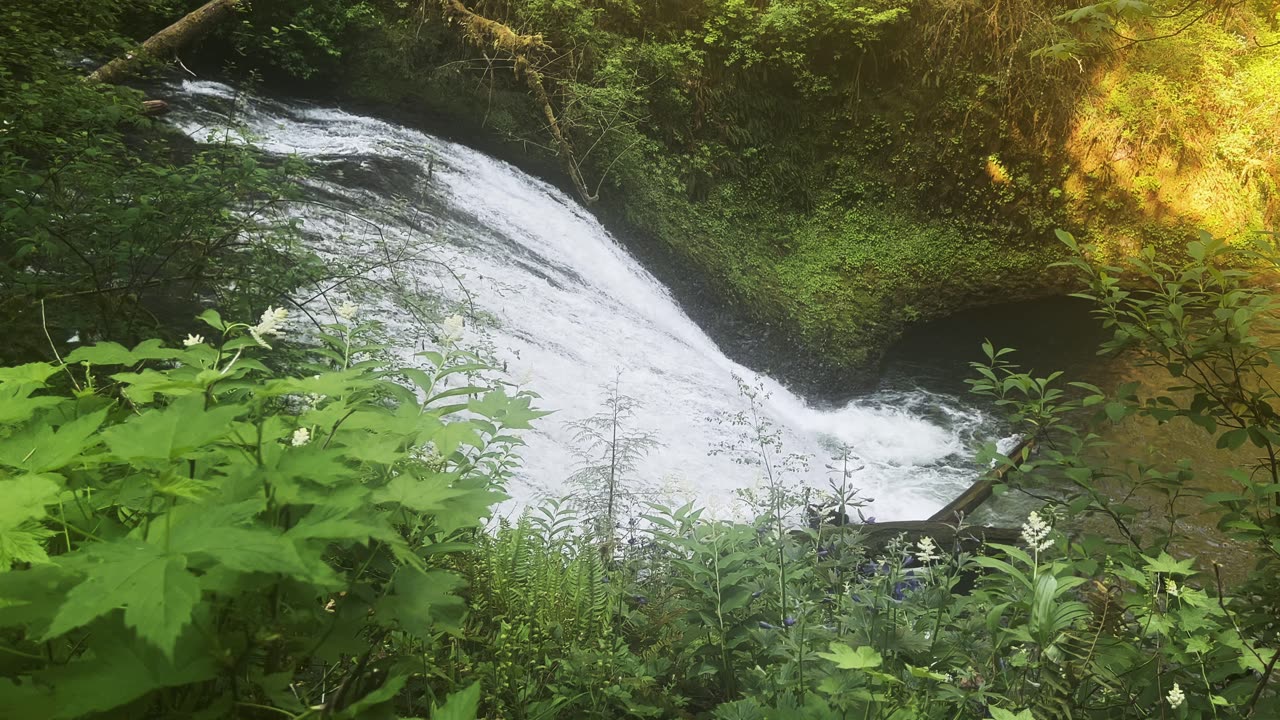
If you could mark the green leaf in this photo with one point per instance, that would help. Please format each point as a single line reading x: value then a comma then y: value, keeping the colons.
x: 384, y: 694
x: 422, y: 602
x: 339, y: 523
x: 41, y: 449
x: 461, y: 705
x: 182, y: 428
x: 26, y: 496
x: 110, y: 353
x: 1000, y: 714
x: 29, y: 374
x: 1167, y: 565
x: 1116, y: 411
x: 515, y: 413
x: 154, y: 588
x: 1233, y: 439
x: 212, y: 319
x: 450, y: 436
x: 119, y: 670
x: 425, y: 495
x: 23, y: 543
x: 16, y: 406
x: 247, y: 550
x: 846, y: 658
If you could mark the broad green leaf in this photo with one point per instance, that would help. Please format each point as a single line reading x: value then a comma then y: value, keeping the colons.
x: 182, y: 428
x: 425, y: 495
x: 248, y: 550
x: 847, y: 658
x: 450, y: 436
x: 29, y: 374
x: 339, y: 523
x: 1001, y: 714
x: 16, y: 406
x: 153, y: 586
x: 384, y: 694
x: 41, y: 448
x: 26, y: 496
x: 31, y: 597
x: 461, y: 705
x: 423, y: 602
x: 1167, y: 565
x: 23, y: 543
x: 109, y: 353
x: 118, y: 671
x: 213, y: 319
x: 511, y: 412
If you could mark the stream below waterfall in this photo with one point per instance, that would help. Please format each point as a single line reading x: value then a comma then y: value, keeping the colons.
x: 435, y: 227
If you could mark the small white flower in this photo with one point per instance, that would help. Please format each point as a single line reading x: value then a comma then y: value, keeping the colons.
x: 1035, y: 533
x: 927, y: 551
x: 451, y: 330
x: 1176, y: 697
x: 193, y: 340
x: 348, y: 311
x: 272, y: 319
x: 301, y: 437
x: 1171, y: 587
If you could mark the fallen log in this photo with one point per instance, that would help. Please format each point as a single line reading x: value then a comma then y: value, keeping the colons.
x: 151, y: 108
x: 877, y: 536
x: 165, y: 44
x: 969, y: 500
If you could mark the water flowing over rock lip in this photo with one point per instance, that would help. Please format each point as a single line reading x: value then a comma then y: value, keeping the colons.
x: 570, y: 306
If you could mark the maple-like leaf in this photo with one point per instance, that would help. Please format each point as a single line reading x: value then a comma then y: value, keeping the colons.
x: 153, y: 586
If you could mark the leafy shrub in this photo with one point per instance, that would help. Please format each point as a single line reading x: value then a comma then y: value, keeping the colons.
x: 112, y: 227
x: 188, y: 533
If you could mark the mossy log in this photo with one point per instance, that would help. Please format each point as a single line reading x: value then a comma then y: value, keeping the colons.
x: 486, y: 35
x: 166, y: 43
x: 877, y: 536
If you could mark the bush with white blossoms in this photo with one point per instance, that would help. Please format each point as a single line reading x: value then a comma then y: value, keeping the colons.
x: 270, y: 325
x: 217, y: 555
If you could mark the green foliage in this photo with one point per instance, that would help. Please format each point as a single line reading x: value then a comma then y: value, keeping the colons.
x: 187, y: 533
x: 192, y: 535
x: 112, y: 229
x: 610, y: 449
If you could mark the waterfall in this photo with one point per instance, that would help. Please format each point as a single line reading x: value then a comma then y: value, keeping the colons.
x: 566, y: 308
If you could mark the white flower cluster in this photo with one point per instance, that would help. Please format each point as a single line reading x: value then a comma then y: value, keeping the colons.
x: 927, y: 551
x: 193, y: 340
x: 451, y: 330
x: 1035, y: 533
x: 1176, y: 697
x: 348, y: 311
x: 269, y: 325
x: 301, y: 437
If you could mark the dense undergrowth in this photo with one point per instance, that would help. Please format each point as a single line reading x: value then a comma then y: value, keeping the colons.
x: 191, y: 534
x: 112, y: 226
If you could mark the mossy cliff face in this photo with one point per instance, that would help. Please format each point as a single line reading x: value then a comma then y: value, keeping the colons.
x: 813, y: 178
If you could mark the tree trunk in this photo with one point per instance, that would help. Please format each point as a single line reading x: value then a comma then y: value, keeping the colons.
x: 166, y: 43
x: 486, y: 34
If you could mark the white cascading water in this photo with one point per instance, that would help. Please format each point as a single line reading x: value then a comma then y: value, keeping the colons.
x: 568, y: 309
